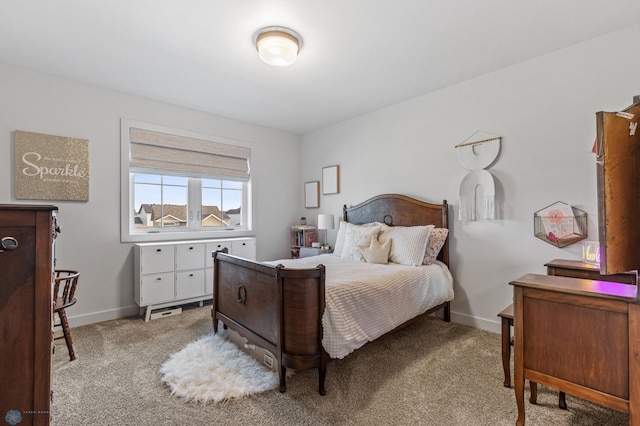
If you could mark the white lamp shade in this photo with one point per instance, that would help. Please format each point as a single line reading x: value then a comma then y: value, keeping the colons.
x: 325, y: 221
x: 277, y: 48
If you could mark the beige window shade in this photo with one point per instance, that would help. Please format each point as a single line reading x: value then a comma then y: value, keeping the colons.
x: 187, y: 156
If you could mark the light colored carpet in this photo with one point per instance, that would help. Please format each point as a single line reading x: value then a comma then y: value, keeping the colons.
x: 430, y: 373
x: 213, y: 369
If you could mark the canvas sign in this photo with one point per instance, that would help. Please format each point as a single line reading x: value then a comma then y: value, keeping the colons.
x: 48, y: 167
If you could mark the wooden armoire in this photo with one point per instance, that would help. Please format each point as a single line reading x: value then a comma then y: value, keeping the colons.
x: 27, y: 235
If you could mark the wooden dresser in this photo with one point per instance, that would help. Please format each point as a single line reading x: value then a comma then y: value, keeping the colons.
x: 578, y: 336
x: 26, y: 265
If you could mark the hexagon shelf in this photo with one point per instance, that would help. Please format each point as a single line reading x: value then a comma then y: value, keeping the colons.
x: 560, y: 224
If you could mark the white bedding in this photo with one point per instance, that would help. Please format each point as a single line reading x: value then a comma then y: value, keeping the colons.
x: 364, y: 300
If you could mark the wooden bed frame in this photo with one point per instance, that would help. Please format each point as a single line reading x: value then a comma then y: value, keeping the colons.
x: 280, y: 309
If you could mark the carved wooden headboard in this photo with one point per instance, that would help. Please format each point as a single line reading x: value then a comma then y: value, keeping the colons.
x: 400, y: 210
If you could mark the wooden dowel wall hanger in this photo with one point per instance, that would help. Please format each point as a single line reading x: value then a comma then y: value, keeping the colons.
x: 476, y: 160
x: 460, y: 145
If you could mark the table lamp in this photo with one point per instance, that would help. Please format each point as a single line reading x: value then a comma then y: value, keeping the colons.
x: 325, y: 221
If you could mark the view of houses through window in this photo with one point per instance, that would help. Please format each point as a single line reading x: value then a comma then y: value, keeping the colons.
x: 162, y: 201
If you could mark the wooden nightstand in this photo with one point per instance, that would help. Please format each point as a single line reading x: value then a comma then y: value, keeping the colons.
x: 313, y: 251
x: 578, y: 269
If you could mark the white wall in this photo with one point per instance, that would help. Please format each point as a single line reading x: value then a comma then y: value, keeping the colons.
x: 545, y: 111
x: 90, y: 238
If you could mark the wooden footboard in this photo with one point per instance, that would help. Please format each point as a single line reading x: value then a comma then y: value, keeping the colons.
x: 274, y: 307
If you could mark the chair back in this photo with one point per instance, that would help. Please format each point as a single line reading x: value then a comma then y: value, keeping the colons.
x: 64, y: 288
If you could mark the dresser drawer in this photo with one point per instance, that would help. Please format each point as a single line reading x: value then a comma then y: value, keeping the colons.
x: 190, y: 256
x: 156, y: 258
x: 244, y: 248
x: 217, y: 246
x: 156, y: 288
x: 189, y: 284
x: 208, y: 281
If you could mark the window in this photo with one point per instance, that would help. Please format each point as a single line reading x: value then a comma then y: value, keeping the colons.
x: 227, y: 195
x: 177, y: 185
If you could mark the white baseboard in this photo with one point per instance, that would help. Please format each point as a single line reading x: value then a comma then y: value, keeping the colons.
x: 94, y: 317
x: 493, y: 326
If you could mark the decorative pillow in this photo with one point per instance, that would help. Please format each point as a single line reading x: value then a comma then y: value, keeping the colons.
x: 376, y: 252
x: 437, y: 237
x: 354, y: 237
x: 408, y: 243
x: 339, y: 245
x: 342, y: 232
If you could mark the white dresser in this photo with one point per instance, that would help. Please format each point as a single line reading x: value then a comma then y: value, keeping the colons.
x: 180, y: 272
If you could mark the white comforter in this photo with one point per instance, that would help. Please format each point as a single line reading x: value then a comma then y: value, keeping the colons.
x: 364, y: 300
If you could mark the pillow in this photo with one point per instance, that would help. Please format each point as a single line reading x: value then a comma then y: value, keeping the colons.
x: 342, y: 230
x: 354, y: 237
x: 437, y: 237
x: 408, y: 243
x: 376, y: 252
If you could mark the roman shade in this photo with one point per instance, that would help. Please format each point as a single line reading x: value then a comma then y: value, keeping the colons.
x: 186, y: 156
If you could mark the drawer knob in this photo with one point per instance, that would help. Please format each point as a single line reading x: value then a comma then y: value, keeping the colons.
x: 159, y: 279
x: 242, y: 294
x: 158, y: 250
x: 8, y: 243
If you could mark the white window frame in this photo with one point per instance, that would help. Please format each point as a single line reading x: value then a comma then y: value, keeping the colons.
x: 128, y: 231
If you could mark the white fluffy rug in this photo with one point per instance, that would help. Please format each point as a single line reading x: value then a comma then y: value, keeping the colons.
x: 212, y: 369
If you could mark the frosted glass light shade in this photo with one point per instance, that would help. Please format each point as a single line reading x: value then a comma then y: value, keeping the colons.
x: 278, y: 46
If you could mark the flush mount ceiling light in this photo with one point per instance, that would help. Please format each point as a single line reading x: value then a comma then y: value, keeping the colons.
x: 278, y: 46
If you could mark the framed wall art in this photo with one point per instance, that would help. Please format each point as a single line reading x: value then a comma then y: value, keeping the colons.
x: 48, y: 167
x: 312, y: 194
x: 331, y: 180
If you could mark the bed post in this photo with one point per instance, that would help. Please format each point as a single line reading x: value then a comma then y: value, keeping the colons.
x: 447, y: 311
x: 214, y: 317
x: 444, y: 253
x: 302, y: 304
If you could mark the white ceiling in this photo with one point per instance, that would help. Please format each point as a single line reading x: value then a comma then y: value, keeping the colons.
x: 357, y: 55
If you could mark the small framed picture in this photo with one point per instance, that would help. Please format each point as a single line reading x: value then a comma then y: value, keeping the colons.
x: 331, y: 180
x: 312, y: 194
